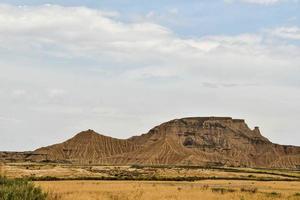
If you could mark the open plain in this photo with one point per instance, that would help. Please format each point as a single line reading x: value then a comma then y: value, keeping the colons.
x: 92, y: 182
x: 206, y: 190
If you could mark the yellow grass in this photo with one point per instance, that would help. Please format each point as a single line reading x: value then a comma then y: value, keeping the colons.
x: 150, y: 190
x: 130, y: 190
x: 1, y: 168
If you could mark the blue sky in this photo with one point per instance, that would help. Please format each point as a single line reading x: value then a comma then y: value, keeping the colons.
x: 122, y: 67
x: 194, y: 17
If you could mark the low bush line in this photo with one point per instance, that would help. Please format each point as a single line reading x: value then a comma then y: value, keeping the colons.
x: 153, y: 178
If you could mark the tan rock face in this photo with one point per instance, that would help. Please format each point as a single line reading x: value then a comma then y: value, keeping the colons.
x: 221, y: 141
x: 86, y: 147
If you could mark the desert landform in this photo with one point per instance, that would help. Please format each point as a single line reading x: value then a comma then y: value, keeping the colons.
x: 211, y: 157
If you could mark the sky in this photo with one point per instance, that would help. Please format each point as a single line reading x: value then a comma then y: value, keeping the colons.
x: 123, y: 67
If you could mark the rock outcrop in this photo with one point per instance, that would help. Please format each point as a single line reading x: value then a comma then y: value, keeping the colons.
x: 207, y: 141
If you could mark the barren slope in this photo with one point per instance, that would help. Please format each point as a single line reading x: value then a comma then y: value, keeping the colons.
x: 220, y: 141
x: 86, y: 147
x: 211, y: 141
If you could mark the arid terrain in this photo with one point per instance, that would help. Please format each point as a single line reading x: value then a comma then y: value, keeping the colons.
x: 208, y: 190
x: 78, y: 182
x: 149, y: 99
x: 189, y: 158
x: 53, y: 171
x: 201, y: 141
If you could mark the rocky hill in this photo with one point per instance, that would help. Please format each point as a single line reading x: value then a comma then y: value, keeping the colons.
x: 221, y: 141
x: 207, y: 141
x: 86, y: 147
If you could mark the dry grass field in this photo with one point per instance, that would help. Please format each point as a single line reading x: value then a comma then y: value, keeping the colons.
x: 75, y: 182
x: 140, y: 190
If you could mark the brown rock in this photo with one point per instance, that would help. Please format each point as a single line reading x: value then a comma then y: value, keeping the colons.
x: 204, y: 141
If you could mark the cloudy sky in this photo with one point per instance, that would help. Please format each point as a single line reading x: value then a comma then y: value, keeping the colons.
x: 122, y: 67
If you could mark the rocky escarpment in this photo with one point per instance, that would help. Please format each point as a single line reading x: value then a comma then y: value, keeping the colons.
x: 220, y: 141
x: 212, y: 141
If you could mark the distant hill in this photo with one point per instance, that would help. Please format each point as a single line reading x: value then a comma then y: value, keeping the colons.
x: 205, y: 141
x: 86, y: 147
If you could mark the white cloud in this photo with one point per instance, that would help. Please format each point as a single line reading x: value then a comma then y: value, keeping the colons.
x: 19, y: 92
x: 261, y: 2
x: 265, y: 2
x: 83, y: 68
x: 8, y: 119
x: 56, y: 93
x: 292, y: 33
x: 82, y: 33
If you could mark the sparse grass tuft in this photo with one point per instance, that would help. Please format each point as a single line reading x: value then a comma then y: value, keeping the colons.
x: 222, y: 190
x: 53, y: 196
x: 250, y: 190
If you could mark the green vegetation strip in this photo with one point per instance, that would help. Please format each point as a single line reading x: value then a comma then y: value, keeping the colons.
x: 20, y: 189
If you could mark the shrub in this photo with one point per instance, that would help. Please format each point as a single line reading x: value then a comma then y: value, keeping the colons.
x: 250, y: 190
x: 205, y: 187
x: 42, y: 178
x: 274, y: 194
x: 297, y: 194
x: 19, y: 189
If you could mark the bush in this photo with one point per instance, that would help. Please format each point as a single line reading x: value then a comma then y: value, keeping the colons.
x: 19, y: 189
x: 274, y: 194
x: 222, y: 190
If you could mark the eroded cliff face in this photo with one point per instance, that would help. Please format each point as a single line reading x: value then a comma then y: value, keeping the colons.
x: 85, y: 147
x: 220, y: 141
x: 217, y: 141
